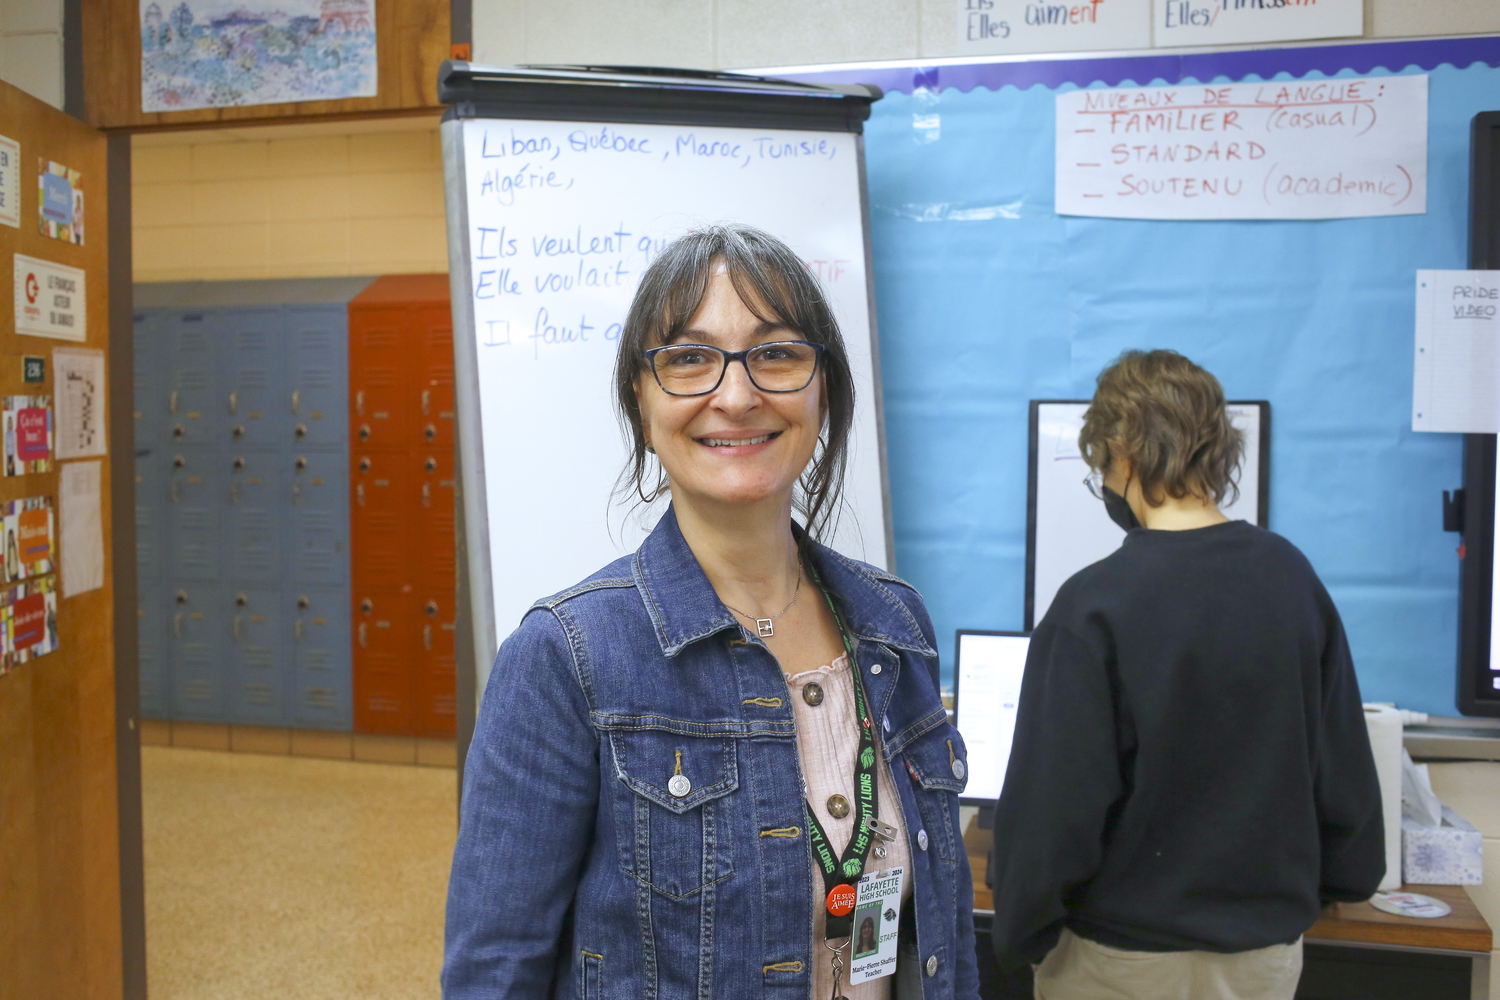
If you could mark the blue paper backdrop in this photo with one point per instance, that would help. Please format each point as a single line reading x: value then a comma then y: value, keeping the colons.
x: 988, y: 299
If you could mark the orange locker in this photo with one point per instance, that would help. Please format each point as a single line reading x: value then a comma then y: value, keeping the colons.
x: 401, y: 419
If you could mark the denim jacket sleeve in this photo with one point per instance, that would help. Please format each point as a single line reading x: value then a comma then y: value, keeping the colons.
x: 531, y: 786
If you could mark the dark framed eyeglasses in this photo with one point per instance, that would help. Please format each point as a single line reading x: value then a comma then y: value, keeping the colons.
x: 697, y: 369
x: 1095, y: 483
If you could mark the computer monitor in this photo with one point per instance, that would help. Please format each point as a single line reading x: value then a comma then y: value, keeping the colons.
x: 986, y: 694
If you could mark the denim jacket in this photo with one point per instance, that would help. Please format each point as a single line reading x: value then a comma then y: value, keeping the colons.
x: 579, y: 874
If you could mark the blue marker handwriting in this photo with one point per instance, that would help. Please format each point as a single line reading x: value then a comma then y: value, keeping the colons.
x: 503, y: 185
x: 575, y: 243
x: 493, y: 147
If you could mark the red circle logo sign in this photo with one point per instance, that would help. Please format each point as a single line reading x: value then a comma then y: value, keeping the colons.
x: 841, y: 900
x: 33, y: 288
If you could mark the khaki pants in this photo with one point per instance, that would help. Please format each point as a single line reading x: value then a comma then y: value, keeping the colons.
x: 1079, y: 969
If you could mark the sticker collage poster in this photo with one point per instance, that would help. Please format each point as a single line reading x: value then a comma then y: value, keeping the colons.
x: 27, y: 424
x: 28, y: 622
x: 61, y: 201
x: 28, y: 557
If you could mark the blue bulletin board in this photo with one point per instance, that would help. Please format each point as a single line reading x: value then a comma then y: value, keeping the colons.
x: 988, y: 299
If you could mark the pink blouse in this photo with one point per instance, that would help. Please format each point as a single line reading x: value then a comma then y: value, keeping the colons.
x: 827, y: 741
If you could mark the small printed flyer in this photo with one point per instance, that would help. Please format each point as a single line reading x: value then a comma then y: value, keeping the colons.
x: 28, y: 622
x: 61, y: 201
x: 28, y: 529
x: 28, y: 434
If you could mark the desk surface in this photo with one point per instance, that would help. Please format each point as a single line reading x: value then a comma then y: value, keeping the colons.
x: 1354, y: 923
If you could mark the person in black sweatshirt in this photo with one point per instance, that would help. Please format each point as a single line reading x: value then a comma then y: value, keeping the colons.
x: 1191, y: 777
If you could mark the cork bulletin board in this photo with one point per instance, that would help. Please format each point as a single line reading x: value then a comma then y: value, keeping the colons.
x: 59, y: 854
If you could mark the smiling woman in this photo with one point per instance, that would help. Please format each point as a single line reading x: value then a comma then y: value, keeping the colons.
x: 731, y: 722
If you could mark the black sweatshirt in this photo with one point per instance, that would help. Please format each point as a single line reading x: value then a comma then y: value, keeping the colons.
x: 1191, y: 768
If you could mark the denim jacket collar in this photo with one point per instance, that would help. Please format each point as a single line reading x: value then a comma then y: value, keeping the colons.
x: 684, y: 607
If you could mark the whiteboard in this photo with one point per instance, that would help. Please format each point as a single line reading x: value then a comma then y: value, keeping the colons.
x: 986, y: 697
x: 1067, y: 528
x: 551, y: 225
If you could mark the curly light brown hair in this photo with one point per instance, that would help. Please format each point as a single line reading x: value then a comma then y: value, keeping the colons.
x: 1166, y: 416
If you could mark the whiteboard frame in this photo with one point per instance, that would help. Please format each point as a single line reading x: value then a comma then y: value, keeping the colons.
x: 612, y: 96
x: 1263, y: 489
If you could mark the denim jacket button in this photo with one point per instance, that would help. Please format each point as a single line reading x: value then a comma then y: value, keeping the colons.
x: 922, y: 839
x: 679, y: 785
x: 875, y: 668
x: 932, y: 966
x: 959, y: 769
x: 812, y: 693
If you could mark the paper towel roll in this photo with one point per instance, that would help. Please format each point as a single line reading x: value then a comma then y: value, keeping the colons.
x: 1384, y: 723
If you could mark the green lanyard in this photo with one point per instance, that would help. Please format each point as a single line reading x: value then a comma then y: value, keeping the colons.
x: 841, y: 873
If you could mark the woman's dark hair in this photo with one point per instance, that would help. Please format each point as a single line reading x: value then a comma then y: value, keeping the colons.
x: 1166, y: 416
x: 777, y: 287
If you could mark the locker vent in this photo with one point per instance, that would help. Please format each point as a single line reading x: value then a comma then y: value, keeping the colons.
x: 317, y: 659
x: 251, y: 378
x: 259, y: 658
x: 316, y: 378
x: 445, y: 704
x: 381, y: 376
x: 378, y: 338
x: 320, y: 698
x: 382, y: 703
x: 253, y: 340
x: 198, y: 690
x: 190, y: 378
x: 315, y: 340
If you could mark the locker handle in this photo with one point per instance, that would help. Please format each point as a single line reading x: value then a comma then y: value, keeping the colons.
x: 359, y: 403
x: 176, y: 497
x: 426, y: 400
x: 427, y: 637
x: 177, y: 625
x: 234, y: 493
x: 426, y: 494
x: 236, y: 626
x: 359, y: 493
x: 296, y: 494
x: 234, y: 402
x: 363, y: 635
x: 297, y: 630
x: 296, y: 400
x: 172, y: 403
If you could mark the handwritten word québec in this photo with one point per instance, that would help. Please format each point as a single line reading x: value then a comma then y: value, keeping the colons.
x: 607, y: 140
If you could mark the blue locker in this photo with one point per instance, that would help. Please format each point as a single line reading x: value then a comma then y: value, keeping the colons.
x: 318, y: 357
x: 197, y: 643
x: 257, y: 694
x: 152, y: 654
x: 197, y: 494
x: 318, y: 541
x: 322, y: 687
x: 192, y: 370
x: 253, y: 376
x: 257, y: 510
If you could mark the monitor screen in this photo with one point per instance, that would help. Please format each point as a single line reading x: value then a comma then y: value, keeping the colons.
x: 986, y: 694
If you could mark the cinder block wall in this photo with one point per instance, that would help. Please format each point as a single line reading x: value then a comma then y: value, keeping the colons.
x: 289, y: 201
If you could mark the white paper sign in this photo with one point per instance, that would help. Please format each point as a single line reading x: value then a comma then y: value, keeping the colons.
x: 10, y: 182
x: 78, y: 380
x: 1456, y: 376
x: 999, y: 26
x: 1310, y: 149
x: 51, y: 300
x: 82, y: 532
x: 1227, y: 22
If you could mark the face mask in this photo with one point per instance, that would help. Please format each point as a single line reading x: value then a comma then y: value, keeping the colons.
x: 1119, y: 511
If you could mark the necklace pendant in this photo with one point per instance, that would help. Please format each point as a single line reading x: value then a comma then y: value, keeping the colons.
x: 765, y: 627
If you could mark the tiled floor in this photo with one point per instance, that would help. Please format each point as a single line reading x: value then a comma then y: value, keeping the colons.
x: 294, y: 878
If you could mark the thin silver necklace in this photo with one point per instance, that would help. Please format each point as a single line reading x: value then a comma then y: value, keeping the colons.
x: 764, y: 627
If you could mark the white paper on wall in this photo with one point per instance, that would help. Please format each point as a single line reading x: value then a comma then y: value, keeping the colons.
x: 1229, y: 22
x: 82, y: 531
x: 78, y: 376
x: 988, y: 27
x: 1308, y: 149
x: 1457, y: 364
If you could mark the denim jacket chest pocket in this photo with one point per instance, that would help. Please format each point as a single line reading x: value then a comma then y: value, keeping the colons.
x: 938, y: 764
x: 675, y: 831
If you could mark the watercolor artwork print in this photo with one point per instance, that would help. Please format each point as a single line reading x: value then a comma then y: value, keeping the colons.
x: 230, y: 53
